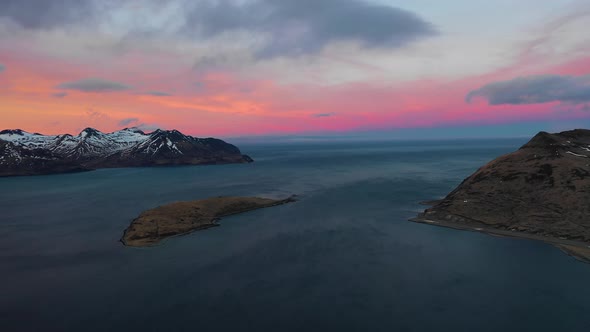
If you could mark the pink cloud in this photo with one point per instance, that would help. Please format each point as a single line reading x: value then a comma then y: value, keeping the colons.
x: 224, y: 104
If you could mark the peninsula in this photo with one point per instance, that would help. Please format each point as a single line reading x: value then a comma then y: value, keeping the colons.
x: 540, y: 192
x: 155, y: 225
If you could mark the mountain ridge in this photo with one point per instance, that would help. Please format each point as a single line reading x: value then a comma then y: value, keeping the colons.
x: 24, y: 153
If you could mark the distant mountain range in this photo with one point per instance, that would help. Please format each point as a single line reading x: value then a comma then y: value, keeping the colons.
x: 23, y: 153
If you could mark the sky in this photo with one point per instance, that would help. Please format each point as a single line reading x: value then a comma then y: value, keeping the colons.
x: 235, y: 68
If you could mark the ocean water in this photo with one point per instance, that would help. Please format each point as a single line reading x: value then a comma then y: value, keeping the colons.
x: 343, y: 258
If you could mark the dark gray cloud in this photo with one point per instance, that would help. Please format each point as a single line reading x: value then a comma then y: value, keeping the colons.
x: 158, y: 93
x: 136, y: 123
x: 535, y: 90
x: 324, y: 115
x: 93, y: 85
x: 288, y: 27
x: 306, y: 26
x: 2, y: 67
x: 211, y: 62
x: 59, y: 94
x: 149, y: 127
x: 41, y: 14
x: 128, y: 121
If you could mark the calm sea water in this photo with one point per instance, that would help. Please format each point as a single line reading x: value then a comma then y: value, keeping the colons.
x: 343, y: 258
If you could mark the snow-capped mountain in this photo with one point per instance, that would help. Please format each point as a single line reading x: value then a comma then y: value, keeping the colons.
x: 25, y: 139
x: 23, y: 153
x: 19, y: 160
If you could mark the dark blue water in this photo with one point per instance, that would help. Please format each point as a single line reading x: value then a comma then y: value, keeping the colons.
x: 344, y: 258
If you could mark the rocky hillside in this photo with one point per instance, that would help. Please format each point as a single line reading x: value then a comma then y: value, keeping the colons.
x: 23, y: 153
x: 542, y: 190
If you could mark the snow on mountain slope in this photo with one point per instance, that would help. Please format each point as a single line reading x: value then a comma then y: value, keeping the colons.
x: 17, y: 160
x: 163, y: 140
x: 23, y: 153
x: 92, y: 143
x: 89, y: 143
x: 63, y: 144
x: 9, y: 153
x: 25, y: 139
x: 128, y: 137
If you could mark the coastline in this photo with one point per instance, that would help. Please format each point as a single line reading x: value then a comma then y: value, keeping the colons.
x: 155, y: 244
x: 576, y: 249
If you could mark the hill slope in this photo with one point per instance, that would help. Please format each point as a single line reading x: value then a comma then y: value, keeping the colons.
x: 540, y: 191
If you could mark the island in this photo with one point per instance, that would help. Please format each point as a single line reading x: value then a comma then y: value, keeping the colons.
x: 180, y: 218
x: 24, y: 153
x: 541, y: 192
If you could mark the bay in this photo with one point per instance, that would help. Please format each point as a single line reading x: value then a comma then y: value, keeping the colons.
x: 343, y: 258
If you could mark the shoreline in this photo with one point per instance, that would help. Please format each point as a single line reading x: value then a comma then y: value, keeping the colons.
x: 200, y: 228
x: 576, y: 249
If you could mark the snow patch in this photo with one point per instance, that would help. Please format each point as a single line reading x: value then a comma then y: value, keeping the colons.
x: 577, y: 155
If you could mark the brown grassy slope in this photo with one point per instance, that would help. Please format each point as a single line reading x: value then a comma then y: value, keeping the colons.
x: 179, y: 218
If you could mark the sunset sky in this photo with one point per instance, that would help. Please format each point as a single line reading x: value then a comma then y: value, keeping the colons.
x: 295, y: 67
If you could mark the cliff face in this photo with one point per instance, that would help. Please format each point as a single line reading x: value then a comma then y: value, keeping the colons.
x: 23, y: 153
x: 541, y: 189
